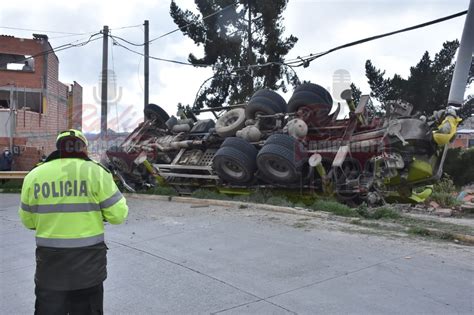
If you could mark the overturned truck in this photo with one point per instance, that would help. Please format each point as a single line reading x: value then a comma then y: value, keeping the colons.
x: 301, y: 145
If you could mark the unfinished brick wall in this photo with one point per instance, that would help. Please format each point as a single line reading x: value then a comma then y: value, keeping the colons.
x: 35, y: 133
x: 22, y: 46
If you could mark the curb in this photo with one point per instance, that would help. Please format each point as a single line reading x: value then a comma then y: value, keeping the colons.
x: 230, y: 203
x: 464, y: 238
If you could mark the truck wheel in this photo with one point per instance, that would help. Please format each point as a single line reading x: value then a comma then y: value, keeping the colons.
x: 274, y: 97
x: 242, y: 145
x: 234, y: 166
x: 305, y: 98
x: 279, y: 164
x: 259, y: 105
x: 317, y: 89
x: 155, y: 112
x: 229, y: 123
x: 285, y: 140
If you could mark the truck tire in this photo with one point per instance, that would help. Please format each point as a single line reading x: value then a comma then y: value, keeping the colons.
x: 155, y: 112
x: 305, y: 98
x: 261, y: 105
x: 229, y: 123
x: 242, y: 145
x: 274, y: 96
x: 234, y: 166
x: 279, y: 164
x: 285, y: 141
x: 317, y: 89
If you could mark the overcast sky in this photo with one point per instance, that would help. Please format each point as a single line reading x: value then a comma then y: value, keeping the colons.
x: 319, y: 25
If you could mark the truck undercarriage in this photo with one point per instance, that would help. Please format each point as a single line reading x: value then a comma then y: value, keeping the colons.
x: 300, y: 145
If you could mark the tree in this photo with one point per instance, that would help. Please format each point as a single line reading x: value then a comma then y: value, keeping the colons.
x: 427, y: 86
x: 224, y: 36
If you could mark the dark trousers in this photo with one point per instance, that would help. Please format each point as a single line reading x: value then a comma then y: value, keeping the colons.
x: 76, y: 302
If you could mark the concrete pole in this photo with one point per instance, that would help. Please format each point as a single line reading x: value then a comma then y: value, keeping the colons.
x: 12, y: 120
x: 147, y: 65
x: 249, y: 57
x: 104, y: 97
x: 463, y: 60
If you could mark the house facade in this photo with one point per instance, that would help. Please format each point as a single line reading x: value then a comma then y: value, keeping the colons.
x: 34, y: 105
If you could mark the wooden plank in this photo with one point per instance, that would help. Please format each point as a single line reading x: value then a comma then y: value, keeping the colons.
x: 13, y: 174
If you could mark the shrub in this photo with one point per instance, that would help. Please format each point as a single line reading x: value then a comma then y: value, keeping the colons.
x: 444, y: 192
x: 445, y: 199
x: 459, y: 164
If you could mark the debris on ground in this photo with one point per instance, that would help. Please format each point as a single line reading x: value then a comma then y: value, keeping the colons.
x: 443, y: 212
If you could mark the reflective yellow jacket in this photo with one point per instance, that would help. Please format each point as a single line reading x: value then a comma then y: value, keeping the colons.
x: 66, y: 201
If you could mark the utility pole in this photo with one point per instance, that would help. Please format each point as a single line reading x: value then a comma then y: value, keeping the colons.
x: 104, y: 99
x: 249, y: 57
x: 147, y: 65
x: 12, y: 119
x: 463, y: 60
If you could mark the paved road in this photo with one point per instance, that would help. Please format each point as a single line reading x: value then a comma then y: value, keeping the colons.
x: 181, y: 259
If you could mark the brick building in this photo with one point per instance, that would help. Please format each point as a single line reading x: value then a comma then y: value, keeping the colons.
x: 465, y: 135
x: 34, y: 104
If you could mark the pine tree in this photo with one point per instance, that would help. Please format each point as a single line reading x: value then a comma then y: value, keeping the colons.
x: 427, y: 86
x: 224, y: 36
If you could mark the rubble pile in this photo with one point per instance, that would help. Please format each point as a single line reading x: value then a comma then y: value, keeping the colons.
x: 466, y: 197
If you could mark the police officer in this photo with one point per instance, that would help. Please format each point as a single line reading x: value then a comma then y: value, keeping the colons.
x: 65, y: 200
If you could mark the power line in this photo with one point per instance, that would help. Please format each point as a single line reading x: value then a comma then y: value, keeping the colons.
x: 177, y: 29
x: 60, y: 48
x: 155, y: 58
x: 304, y: 61
x: 45, y: 31
x: 126, y: 41
x: 67, y: 36
x: 189, y: 24
x: 125, y: 27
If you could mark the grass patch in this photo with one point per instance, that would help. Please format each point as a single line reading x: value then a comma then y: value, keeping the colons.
x: 11, y: 186
x: 372, y: 225
x: 431, y: 224
x: 419, y: 231
x: 334, y: 207
x: 377, y: 213
x: 445, y: 199
x: 279, y: 201
x: 444, y: 192
x: 299, y: 225
x: 210, y: 194
x: 162, y: 191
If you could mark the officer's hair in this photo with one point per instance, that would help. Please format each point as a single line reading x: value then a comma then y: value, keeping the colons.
x: 70, y: 144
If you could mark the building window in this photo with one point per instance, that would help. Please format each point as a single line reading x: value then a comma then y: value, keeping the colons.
x: 17, y: 62
x: 26, y: 100
x: 4, y: 99
x: 471, y: 143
